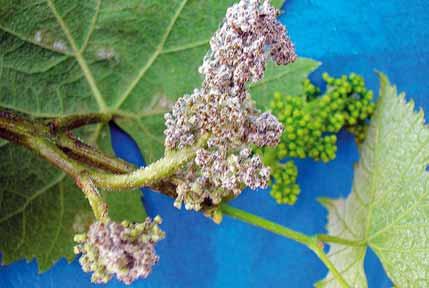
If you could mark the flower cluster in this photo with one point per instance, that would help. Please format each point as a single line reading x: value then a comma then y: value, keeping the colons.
x: 122, y: 249
x: 285, y: 190
x: 311, y: 122
x: 223, y: 110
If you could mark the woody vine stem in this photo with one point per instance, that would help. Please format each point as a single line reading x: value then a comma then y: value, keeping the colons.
x: 53, y: 140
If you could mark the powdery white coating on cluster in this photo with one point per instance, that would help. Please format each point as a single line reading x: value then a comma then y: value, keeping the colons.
x: 223, y: 108
x: 238, y: 48
x: 266, y: 130
x: 122, y: 249
x: 217, y: 178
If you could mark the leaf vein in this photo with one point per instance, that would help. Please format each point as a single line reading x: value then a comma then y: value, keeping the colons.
x: 80, y: 59
x: 185, y: 47
x: 423, y: 145
x: 34, y: 196
x: 91, y: 27
x: 154, y: 56
x: 342, y: 220
x: 400, y: 217
x: 46, y: 69
x: 347, y: 268
x: 41, y: 45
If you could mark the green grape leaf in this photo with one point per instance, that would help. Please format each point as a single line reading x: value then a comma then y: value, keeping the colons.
x: 286, y: 79
x: 388, y: 207
x: 132, y: 58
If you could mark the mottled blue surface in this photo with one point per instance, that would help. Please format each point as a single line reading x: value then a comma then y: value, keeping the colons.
x: 356, y: 35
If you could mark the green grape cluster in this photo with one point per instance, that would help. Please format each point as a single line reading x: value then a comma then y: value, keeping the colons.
x: 284, y: 188
x: 311, y: 122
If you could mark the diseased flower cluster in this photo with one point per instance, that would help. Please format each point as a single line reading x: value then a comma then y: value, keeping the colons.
x: 122, y: 249
x: 222, y: 108
x: 217, y: 178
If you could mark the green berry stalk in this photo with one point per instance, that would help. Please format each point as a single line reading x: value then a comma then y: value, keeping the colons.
x: 311, y: 122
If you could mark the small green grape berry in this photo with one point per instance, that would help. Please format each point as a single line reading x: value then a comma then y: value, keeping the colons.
x: 311, y: 121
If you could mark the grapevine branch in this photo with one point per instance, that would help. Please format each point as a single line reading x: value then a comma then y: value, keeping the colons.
x: 93, y: 169
x: 79, y: 150
x: 106, y: 172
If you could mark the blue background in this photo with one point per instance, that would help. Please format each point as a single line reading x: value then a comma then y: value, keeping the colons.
x: 391, y: 36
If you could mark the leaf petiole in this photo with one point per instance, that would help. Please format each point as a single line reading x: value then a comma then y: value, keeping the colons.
x: 59, y: 124
x: 342, y: 241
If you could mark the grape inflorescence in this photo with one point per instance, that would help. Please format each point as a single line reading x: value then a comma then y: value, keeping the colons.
x: 311, y: 122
